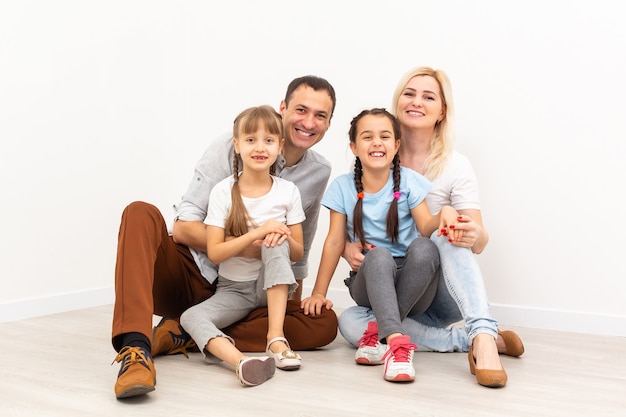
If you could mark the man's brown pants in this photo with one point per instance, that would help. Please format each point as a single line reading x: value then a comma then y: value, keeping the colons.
x: 155, y: 275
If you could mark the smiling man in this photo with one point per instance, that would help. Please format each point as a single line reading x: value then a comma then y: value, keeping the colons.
x: 162, y: 274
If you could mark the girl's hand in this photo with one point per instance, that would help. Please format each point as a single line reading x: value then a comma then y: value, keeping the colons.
x: 448, y: 224
x: 274, y: 239
x: 313, y: 305
x: 353, y: 254
x: 273, y: 232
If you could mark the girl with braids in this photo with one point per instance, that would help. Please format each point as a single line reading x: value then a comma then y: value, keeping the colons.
x: 423, y: 104
x: 381, y: 203
x: 251, y: 206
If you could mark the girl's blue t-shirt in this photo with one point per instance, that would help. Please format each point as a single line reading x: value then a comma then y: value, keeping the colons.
x: 341, y: 197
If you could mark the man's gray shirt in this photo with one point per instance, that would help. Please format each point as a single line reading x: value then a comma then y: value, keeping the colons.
x: 310, y: 174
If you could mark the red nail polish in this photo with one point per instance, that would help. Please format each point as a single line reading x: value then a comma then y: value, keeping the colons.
x: 450, y: 240
x: 451, y: 226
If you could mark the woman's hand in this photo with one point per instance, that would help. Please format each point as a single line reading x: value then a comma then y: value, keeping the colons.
x: 470, y: 229
x: 313, y: 305
x: 466, y: 230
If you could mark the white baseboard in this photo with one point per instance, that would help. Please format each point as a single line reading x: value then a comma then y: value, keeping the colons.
x: 55, y: 303
x: 561, y: 320
x: 540, y: 318
x: 507, y: 315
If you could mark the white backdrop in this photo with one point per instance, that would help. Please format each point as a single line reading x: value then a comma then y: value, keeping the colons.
x: 103, y: 103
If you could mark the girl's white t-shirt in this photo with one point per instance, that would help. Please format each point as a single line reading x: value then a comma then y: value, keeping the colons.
x: 281, y: 203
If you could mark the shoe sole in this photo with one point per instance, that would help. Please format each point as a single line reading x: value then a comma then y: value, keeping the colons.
x: 401, y: 378
x: 256, y: 372
x: 289, y: 367
x: 135, y: 391
x: 286, y: 364
x: 363, y: 361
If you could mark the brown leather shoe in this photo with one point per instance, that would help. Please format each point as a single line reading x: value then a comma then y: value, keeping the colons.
x: 137, y: 375
x: 492, y: 378
x: 513, y: 343
x: 169, y: 338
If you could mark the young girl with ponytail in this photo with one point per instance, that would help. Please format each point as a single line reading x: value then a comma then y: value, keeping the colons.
x: 251, y: 206
x: 382, y: 205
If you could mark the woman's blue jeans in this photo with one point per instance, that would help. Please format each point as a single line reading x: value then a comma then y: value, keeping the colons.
x: 461, y: 295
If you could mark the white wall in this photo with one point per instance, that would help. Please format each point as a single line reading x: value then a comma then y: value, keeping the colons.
x: 103, y: 103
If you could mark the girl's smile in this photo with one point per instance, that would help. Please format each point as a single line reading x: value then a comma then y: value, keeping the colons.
x: 376, y: 144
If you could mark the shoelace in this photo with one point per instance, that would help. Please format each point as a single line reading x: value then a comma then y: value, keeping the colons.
x: 368, y: 339
x: 400, y: 352
x: 182, y: 342
x: 130, y: 355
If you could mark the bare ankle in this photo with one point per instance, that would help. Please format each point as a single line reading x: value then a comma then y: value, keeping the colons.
x: 277, y: 345
x: 486, y: 352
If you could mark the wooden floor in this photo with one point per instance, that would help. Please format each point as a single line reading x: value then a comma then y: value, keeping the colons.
x: 60, y: 365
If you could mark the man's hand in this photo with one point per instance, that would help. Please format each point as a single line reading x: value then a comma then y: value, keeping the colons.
x: 353, y: 254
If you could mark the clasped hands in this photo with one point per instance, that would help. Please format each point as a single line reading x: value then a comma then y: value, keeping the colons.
x: 275, y: 233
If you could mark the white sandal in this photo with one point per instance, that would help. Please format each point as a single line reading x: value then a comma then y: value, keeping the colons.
x: 287, y: 360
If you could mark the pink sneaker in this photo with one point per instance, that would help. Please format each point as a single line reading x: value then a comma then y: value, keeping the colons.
x: 399, y: 360
x: 370, y: 350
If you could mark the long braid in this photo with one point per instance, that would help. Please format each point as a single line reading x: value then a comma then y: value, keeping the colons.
x: 392, y: 214
x: 237, y: 219
x: 236, y: 167
x: 358, y: 207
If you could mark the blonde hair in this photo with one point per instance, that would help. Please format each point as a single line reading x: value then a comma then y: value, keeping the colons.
x: 246, y: 122
x: 442, y: 142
